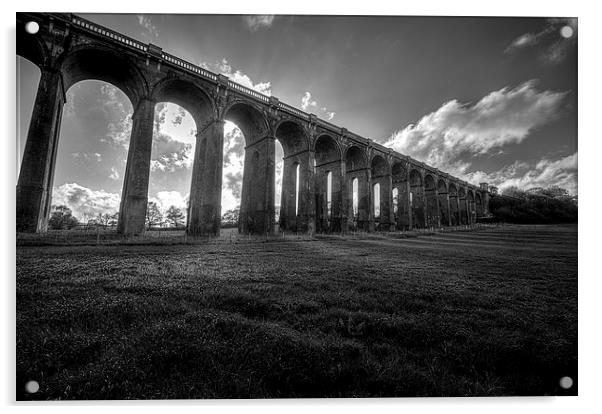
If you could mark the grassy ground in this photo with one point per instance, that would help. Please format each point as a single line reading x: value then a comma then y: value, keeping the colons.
x: 488, y: 312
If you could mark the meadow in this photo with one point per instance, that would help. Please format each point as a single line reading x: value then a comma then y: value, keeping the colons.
x: 487, y: 312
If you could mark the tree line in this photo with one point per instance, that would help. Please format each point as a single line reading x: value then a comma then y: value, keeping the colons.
x: 536, y: 205
x: 62, y: 218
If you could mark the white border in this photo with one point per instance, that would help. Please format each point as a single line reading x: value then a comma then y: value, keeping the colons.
x: 590, y: 271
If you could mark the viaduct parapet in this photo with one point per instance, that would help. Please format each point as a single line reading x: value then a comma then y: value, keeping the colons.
x: 332, y: 178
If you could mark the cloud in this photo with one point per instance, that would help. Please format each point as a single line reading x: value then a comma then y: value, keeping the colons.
x: 308, y: 104
x: 239, y: 77
x: 544, y: 173
x: 550, y: 44
x: 234, y: 152
x: 169, y: 155
x: 151, y: 31
x: 85, y: 202
x: 166, y: 199
x: 114, y: 174
x: 446, y: 137
x: 256, y: 22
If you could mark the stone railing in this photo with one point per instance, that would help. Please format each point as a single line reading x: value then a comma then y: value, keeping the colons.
x: 247, y: 91
x: 188, y: 66
x: 293, y: 110
x: 95, y: 28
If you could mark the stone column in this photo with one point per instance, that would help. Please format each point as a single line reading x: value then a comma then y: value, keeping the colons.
x: 436, y: 191
x: 344, y: 210
x: 34, y: 187
x: 391, y: 215
x: 257, y: 203
x: 424, y: 204
x: 204, y: 211
x: 307, y: 198
x: 370, y: 200
x: 134, y: 197
x: 448, y: 204
x: 408, y: 190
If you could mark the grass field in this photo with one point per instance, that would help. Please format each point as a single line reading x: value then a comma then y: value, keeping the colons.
x: 487, y: 312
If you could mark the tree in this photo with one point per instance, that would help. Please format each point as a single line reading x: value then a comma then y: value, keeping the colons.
x: 61, y: 218
x: 230, y: 217
x: 154, y: 216
x: 175, y: 216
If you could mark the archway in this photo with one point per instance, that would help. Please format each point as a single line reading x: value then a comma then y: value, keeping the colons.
x: 479, y: 205
x: 357, y: 181
x: 91, y: 153
x: 462, y: 207
x: 472, y: 213
x: 454, y: 205
x: 399, y: 179
x: 296, y: 196
x: 443, y: 199
x: 328, y: 185
x: 432, y: 203
x: 381, y: 193
x: 252, y: 142
x: 193, y: 130
x: 172, y: 157
x: 417, y: 201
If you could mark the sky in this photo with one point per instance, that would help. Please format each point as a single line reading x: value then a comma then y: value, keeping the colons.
x: 485, y: 99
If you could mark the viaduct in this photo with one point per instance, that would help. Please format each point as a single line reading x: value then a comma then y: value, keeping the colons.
x: 333, y: 179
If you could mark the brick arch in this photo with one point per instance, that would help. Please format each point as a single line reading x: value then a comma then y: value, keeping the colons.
x: 250, y: 119
x: 292, y: 135
x: 99, y: 62
x: 187, y: 95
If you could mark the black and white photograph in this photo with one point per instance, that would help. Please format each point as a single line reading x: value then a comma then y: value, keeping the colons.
x: 227, y: 206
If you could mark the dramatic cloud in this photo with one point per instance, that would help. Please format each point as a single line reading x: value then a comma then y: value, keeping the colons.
x: 552, y: 43
x: 234, y: 151
x: 447, y: 136
x: 545, y: 173
x: 256, y: 22
x: 151, y: 31
x: 237, y: 76
x: 85, y: 202
x: 166, y: 199
x: 311, y: 105
x: 169, y: 155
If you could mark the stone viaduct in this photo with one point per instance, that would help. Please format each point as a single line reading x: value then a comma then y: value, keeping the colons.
x: 333, y: 179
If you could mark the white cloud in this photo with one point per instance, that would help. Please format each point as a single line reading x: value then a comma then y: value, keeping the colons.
x: 256, y: 22
x: 85, y: 202
x: 114, y: 174
x: 239, y: 77
x: 150, y: 29
x: 309, y: 104
x: 166, y: 199
x: 544, y: 173
x: 445, y: 137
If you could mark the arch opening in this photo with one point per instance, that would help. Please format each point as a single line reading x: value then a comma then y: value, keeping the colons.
x: 443, y: 200
x: 91, y: 154
x: 399, y: 179
x: 417, y: 201
x: 328, y: 188
x: 356, y: 176
x: 454, y: 206
x: 462, y: 207
x: 248, y: 187
x: 294, y: 197
x: 381, y: 200
x: 171, y: 165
